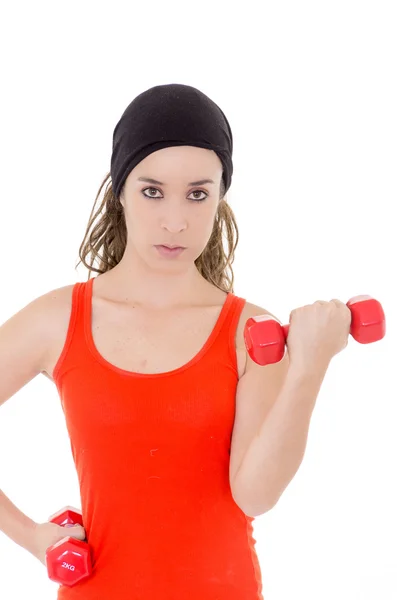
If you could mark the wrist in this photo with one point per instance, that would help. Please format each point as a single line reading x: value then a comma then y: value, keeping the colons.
x: 302, y: 368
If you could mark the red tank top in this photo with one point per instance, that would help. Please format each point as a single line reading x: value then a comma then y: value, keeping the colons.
x: 152, y: 456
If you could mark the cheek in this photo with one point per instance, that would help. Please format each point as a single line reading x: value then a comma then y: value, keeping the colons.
x: 201, y: 224
x: 206, y: 214
x: 139, y: 213
x: 209, y: 218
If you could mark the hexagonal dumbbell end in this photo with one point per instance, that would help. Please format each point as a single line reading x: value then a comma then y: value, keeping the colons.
x: 368, y: 319
x: 264, y: 338
x: 69, y: 560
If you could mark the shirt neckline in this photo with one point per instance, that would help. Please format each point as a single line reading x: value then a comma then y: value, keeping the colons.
x: 87, y: 315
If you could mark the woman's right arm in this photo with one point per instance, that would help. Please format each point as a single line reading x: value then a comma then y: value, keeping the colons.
x: 24, y: 341
x: 16, y: 525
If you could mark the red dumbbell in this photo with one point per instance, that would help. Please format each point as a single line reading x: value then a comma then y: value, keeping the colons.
x: 69, y: 560
x: 265, y: 338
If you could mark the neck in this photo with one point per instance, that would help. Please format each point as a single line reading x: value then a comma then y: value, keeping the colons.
x: 157, y: 289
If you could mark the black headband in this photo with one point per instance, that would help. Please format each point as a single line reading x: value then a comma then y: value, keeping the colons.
x: 169, y: 115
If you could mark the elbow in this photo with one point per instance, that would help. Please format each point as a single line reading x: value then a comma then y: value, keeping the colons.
x: 250, y: 508
x: 258, y: 511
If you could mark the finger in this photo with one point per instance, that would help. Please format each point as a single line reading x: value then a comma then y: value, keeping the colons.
x: 342, y: 307
x: 79, y: 533
x: 345, y: 310
x: 338, y: 302
x: 76, y: 529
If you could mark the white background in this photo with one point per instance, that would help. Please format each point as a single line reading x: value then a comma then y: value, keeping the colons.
x: 309, y: 89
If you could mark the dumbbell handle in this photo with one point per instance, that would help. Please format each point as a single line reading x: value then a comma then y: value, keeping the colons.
x: 369, y: 316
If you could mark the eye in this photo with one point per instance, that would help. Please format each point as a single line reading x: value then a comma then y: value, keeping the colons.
x: 151, y: 189
x: 200, y: 192
x: 156, y: 190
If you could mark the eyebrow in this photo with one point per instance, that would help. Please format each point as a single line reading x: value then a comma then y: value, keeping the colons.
x: 200, y: 182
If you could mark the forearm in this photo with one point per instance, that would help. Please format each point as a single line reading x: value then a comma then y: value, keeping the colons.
x: 15, y: 524
x: 275, y: 454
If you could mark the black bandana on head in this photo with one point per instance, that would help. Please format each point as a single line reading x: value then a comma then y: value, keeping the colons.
x: 169, y: 115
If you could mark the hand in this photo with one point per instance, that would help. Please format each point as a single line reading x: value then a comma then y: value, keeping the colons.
x: 47, y: 534
x: 317, y: 332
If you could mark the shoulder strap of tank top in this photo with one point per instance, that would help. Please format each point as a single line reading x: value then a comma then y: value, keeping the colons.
x: 75, y: 330
x: 223, y: 338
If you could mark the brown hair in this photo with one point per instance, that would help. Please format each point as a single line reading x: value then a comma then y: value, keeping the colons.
x: 108, y: 239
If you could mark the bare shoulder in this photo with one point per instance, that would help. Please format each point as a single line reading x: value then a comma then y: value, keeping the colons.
x: 54, y: 308
x: 26, y: 339
x: 53, y: 305
x: 45, y: 311
x: 58, y: 298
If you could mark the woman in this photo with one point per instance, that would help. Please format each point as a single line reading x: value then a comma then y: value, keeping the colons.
x: 160, y: 396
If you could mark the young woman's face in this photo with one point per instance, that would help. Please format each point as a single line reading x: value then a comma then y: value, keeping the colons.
x: 178, y: 211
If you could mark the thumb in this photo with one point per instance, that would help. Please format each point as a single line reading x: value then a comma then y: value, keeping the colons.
x: 76, y: 531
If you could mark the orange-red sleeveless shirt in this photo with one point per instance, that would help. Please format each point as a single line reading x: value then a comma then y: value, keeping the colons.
x: 152, y: 456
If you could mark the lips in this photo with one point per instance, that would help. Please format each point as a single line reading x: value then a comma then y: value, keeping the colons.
x: 171, y: 247
x: 167, y: 251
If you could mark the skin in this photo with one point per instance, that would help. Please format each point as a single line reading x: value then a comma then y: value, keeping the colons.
x: 168, y: 214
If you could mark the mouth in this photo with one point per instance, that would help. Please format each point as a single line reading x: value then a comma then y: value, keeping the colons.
x: 168, y: 251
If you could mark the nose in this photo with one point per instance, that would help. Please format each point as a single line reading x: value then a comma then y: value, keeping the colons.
x: 174, y: 220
